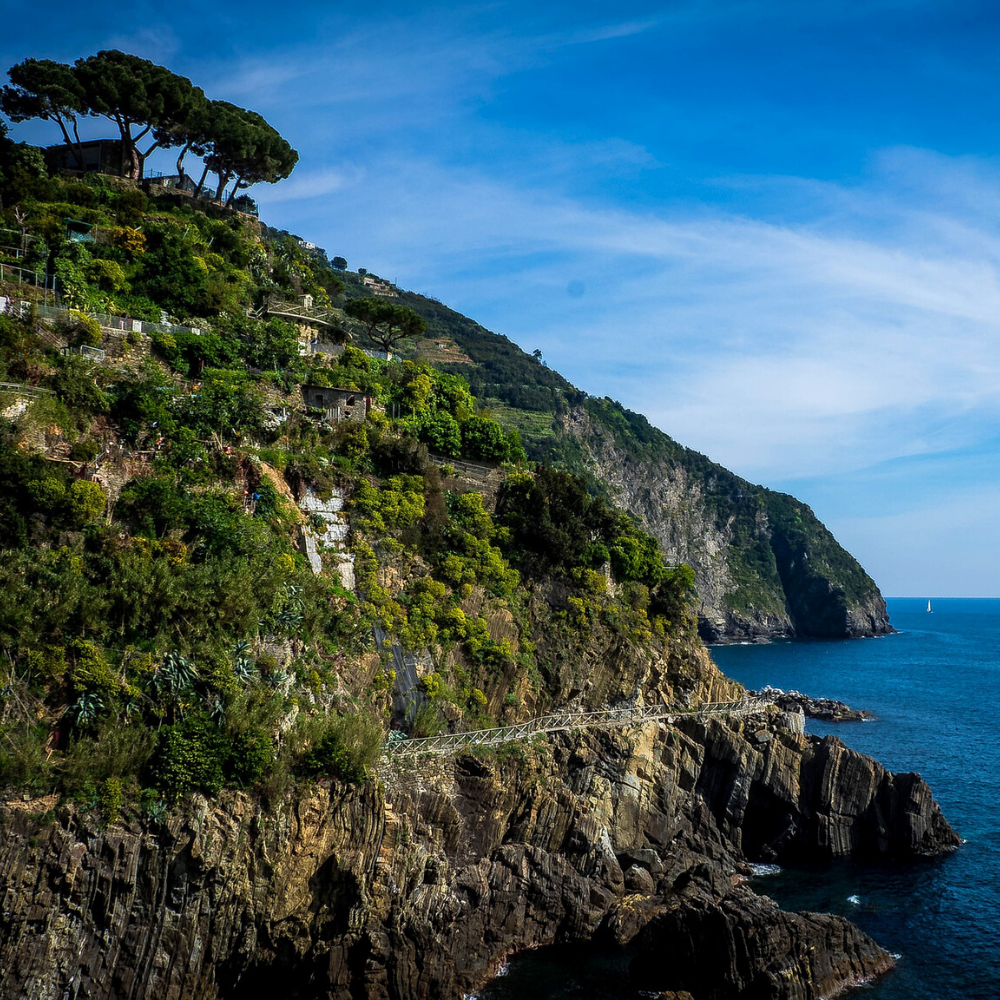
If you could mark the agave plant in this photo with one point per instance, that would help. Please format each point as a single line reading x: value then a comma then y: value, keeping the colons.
x: 245, y: 669
x: 244, y: 666
x: 131, y: 706
x: 175, y: 675
x: 288, y: 619
x: 87, y: 708
x: 279, y: 677
x: 157, y: 811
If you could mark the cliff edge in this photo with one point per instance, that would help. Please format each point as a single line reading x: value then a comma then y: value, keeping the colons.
x: 420, y: 887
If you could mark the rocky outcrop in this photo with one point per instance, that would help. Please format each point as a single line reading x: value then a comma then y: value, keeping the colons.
x: 765, y: 567
x: 825, y: 709
x: 743, y: 947
x: 792, y: 797
x: 420, y: 887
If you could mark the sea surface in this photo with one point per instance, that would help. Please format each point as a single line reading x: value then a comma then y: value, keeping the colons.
x: 934, y: 689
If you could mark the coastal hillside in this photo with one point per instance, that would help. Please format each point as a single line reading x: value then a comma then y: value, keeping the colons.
x: 764, y: 565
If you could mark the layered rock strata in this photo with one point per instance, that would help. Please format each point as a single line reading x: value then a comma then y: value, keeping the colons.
x: 420, y: 886
x: 765, y: 566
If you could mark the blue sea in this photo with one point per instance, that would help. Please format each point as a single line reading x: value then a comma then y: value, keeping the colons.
x: 933, y: 687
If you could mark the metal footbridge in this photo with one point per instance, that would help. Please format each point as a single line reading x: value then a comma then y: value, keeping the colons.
x: 559, y: 722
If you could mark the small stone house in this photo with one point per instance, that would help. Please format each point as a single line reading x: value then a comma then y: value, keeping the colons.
x: 340, y: 404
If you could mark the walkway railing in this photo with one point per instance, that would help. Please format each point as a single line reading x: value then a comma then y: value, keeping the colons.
x: 22, y: 389
x: 26, y: 276
x: 557, y: 722
x: 305, y: 314
x: 120, y: 324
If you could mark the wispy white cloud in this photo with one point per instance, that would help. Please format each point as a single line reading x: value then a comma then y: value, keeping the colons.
x: 158, y: 42
x: 315, y: 185
x: 781, y: 350
x: 609, y: 32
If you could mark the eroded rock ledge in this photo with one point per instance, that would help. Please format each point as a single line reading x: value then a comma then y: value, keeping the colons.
x: 420, y: 888
x: 826, y: 709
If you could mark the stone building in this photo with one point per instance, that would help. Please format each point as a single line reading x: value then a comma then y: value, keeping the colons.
x: 340, y: 404
x: 102, y: 156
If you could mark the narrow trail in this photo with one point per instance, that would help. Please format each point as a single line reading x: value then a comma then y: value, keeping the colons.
x: 558, y: 722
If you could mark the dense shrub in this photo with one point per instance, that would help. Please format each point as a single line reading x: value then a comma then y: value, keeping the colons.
x: 86, y: 501
x: 74, y: 383
x: 170, y: 272
x: 79, y: 328
x: 190, y: 756
x: 347, y: 748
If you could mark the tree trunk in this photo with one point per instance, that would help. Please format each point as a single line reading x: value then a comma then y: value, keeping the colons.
x: 236, y: 187
x: 180, y: 160
x: 75, y: 150
x: 131, y: 164
x: 201, y: 183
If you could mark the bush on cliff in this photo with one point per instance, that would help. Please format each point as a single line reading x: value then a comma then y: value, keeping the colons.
x: 345, y: 747
x: 190, y: 756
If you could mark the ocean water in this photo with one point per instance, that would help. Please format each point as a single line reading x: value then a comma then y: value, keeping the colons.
x: 933, y: 688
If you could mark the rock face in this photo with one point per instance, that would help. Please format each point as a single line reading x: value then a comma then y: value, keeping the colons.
x: 765, y: 567
x: 420, y: 887
x: 745, y: 947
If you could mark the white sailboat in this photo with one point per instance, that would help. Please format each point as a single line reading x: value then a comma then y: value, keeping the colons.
x: 929, y: 607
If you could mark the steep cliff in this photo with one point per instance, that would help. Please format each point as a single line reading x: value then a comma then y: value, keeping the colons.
x: 765, y: 566
x: 419, y: 887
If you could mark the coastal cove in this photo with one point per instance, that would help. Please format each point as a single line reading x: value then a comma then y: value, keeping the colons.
x: 930, y: 687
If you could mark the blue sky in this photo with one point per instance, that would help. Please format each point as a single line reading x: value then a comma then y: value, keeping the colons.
x: 773, y: 227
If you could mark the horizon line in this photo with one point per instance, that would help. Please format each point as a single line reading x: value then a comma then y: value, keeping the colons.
x: 931, y: 597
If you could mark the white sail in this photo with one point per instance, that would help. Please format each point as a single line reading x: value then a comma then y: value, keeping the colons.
x: 929, y: 607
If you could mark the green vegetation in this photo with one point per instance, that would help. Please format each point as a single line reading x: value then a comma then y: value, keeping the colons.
x: 161, y: 632
x: 779, y: 551
x: 386, y: 323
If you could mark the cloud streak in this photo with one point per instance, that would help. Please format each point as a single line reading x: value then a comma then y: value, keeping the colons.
x: 781, y: 350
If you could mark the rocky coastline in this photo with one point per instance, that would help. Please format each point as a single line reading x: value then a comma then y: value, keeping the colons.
x: 825, y: 709
x: 765, y: 567
x: 420, y: 885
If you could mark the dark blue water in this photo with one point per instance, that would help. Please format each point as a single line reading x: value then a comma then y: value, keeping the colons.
x: 934, y: 689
